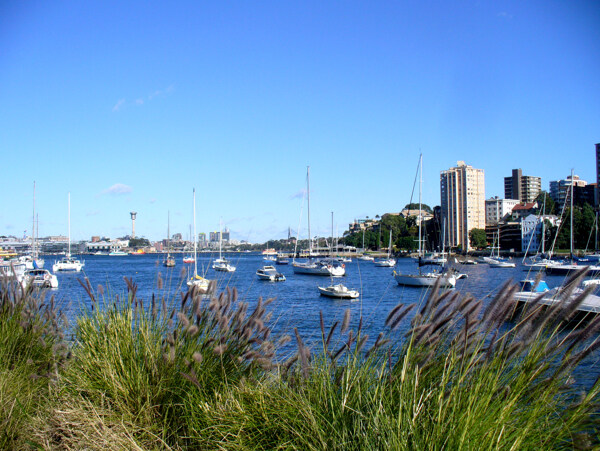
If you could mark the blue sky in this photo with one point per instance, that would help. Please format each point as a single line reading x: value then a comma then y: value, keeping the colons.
x: 130, y: 105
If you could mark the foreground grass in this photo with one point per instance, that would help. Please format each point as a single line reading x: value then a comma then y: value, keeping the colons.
x: 202, y: 374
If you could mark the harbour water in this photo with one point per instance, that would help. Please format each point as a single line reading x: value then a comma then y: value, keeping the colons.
x: 297, y: 301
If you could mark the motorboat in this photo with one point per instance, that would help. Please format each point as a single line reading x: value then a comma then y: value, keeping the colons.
x: 366, y: 258
x: 188, y: 259
x: 339, y: 291
x: 117, y: 253
x: 269, y: 273
x: 40, y: 278
x: 270, y: 258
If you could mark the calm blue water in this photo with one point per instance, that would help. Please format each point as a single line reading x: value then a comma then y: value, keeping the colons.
x: 297, y: 301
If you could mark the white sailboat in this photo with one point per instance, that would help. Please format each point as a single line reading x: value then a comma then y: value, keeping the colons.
x: 388, y: 262
x: 339, y: 291
x: 317, y: 267
x: 169, y: 260
x: 68, y: 263
x: 427, y: 279
x: 196, y: 280
x: 222, y: 264
x: 365, y: 256
x: 33, y: 261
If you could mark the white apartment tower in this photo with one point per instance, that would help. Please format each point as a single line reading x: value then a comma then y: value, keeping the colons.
x: 463, y: 202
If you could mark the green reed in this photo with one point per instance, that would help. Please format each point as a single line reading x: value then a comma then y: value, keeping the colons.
x: 202, y: 373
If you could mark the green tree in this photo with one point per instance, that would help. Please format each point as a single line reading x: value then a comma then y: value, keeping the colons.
x: 477, y: 238
x: 415, y: 206
x: 550, y: 208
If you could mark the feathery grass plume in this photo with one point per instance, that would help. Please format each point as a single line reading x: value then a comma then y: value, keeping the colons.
x: 159, y: 281
x: 87, y: 286
x: 400, y: 316
x: 392, y: 313
x: 346, y: 321
x: 183, y: 319
x: 431, y: 298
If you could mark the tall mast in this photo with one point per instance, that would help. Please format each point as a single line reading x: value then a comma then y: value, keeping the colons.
x: 33, y: 226
x: 331, y: 247
x: 572, y: 189
x: 195, y: 249
x: 420, y: 189
x: 308, y: 201
x: 69, y: 210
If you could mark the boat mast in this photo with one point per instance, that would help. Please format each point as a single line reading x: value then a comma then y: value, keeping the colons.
x: 195, y: 245
x: 331, y: 247
x: 33, y: 226
x: 308, y: 204
x: 69, y: 226
x: 572, y: 186
x: 420, y: 192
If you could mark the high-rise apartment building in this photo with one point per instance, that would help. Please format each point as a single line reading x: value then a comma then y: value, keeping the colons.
x: 463, y: 202
x: 597, y: 175
x: 497, y: 209
x: 522, y: 187
x: 560, y: 191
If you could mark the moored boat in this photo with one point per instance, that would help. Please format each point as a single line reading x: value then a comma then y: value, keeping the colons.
x: 40, y: 278
x: 339, y: 291
x: 270, y: 273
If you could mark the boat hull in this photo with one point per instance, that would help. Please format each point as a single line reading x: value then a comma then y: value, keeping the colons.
x: 425, y: 280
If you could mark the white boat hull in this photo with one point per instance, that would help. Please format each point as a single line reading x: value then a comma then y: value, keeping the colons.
x: 390, y: 263
x: 338, y: 292
x: 425, y: 280
x: 319, y: 270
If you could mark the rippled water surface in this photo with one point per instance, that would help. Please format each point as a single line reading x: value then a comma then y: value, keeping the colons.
x: 297, y: 300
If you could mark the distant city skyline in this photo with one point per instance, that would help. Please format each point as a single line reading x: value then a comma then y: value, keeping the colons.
x: 129, y: 106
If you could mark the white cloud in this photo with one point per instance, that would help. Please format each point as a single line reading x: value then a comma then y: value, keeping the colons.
x: 299, y: 195
x: 119, y: 104
x: 118, y: 189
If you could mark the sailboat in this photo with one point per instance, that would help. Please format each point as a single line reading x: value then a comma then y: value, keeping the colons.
x: 567, y: 268
x: 222, y: 264
x: 339, y: 291
x: 196, y: 280
x: 169, y: 260
x: 189, y: 258
x: 68, y: 263
x: 33, y: 261
x: 388, y: 262
x: 365, y: 256
x: 316, y: 267
x: 429, y: 279
x: 494, y: 260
